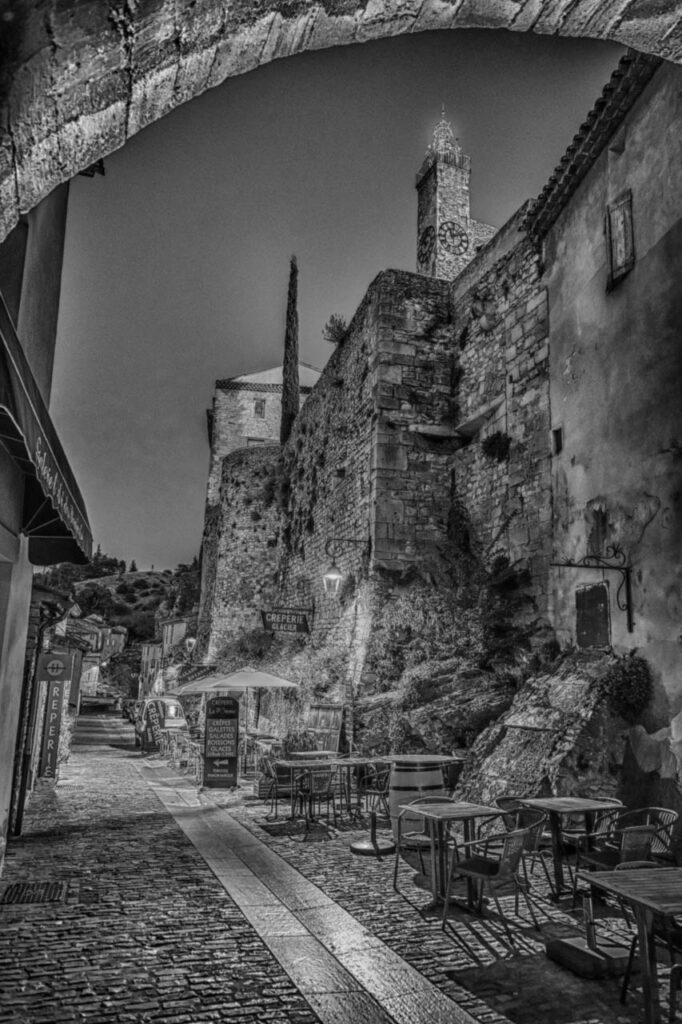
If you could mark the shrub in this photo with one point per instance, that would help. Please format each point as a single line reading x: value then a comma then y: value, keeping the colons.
x: 628, y: 687
x: 496, y: 446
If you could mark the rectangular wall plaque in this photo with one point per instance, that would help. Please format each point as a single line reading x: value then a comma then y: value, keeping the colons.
x: 286, y: 620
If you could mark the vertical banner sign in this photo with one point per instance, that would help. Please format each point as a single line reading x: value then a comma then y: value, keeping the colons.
x: 53, y: 721
x: 221, y: 738
x: 53, y: 672
x: 154, y: 719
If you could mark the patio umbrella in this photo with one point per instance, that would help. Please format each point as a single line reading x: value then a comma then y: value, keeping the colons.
x: 245, y: 679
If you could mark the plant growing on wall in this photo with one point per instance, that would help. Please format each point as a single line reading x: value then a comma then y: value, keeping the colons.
x: 628, y: 687
x: 496, y: 446
x: 335, y: 329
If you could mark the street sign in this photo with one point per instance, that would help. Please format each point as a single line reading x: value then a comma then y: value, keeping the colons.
x: 286, y: 620
x: 221, y: 740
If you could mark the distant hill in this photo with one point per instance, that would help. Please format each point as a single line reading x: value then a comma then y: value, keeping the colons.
x: 131, y: 599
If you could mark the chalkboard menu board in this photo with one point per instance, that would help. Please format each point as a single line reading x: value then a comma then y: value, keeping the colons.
x: 221, y: 739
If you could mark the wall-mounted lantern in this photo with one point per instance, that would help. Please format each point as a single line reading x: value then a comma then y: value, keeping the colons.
x: 333, y: 577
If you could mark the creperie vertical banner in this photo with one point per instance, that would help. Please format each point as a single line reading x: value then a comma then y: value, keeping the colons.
x: 53, y: 671
x: 53, y: 721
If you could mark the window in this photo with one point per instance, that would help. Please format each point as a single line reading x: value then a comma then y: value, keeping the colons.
x: 620, y: 241
x: 593, y: 622
x: 259, y: 408
x: 558, y: 440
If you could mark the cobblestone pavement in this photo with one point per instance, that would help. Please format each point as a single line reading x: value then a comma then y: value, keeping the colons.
x: 185, y: 907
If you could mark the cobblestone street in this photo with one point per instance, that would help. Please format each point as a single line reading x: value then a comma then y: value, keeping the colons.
x: 183, y: 907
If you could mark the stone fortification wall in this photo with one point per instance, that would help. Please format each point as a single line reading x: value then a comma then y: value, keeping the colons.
x: 326, y: 468
x: 502, y: 481
x: 240, y: 551
x: 410, y: 472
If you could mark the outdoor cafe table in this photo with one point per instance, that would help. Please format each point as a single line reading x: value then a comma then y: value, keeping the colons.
x: 436, y: 815
x: 557, y: 807
x: 656, y: 891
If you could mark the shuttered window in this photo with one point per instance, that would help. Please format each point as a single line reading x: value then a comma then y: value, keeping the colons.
x: 593, y: 624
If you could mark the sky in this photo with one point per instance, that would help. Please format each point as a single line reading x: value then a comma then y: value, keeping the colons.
x: 177, y: 259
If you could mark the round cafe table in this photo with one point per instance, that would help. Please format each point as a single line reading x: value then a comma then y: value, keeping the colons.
x: 312, y: 755
x: 413, y: 776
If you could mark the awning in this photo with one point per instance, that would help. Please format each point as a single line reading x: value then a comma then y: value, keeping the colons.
x: 54, y: 516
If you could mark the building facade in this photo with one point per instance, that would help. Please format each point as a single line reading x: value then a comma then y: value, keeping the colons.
x: 42, y: 514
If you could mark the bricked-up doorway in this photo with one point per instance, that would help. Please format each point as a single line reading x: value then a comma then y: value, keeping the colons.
x: 593, y: 620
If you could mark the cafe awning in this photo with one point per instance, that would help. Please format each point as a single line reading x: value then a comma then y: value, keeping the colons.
x: 54, y: 517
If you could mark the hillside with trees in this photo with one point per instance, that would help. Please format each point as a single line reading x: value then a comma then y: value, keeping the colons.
x: 126, y: 596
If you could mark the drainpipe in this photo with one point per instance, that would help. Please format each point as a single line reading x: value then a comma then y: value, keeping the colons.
x: 52, y: 612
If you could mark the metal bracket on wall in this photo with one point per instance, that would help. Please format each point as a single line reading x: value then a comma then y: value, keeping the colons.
x: 615, y: 560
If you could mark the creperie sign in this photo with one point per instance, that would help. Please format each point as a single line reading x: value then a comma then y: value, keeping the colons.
x: 286, y: 620
x: 52, y: 725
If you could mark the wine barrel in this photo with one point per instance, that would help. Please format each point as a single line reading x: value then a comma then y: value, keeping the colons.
x: 412, y: 776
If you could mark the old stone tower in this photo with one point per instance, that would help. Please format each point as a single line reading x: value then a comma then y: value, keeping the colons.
x: 447, y: 237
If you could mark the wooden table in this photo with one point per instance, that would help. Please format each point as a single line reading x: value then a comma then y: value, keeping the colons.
x: 558, y: 807
x: 436, y: 815
x: 656, y: 891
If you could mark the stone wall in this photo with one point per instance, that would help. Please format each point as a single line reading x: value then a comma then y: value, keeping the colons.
x: 616, y: 366
x: 501, y: 366
x: 239, y: 559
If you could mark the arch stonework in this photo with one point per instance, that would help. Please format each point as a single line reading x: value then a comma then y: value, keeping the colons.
x: 78, y: 80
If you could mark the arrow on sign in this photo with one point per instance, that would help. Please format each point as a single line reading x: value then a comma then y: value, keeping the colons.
x: 219, y: 763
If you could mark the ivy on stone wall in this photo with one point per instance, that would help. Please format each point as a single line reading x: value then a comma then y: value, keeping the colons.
x: 628, y: 687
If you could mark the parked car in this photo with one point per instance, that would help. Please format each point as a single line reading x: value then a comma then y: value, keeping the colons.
x: 154, y: 714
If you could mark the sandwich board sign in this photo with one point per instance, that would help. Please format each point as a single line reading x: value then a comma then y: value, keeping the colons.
x: 221, y: 742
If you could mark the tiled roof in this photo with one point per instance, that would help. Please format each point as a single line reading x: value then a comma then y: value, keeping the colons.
x: 240, y: 385
x: 626, y: 84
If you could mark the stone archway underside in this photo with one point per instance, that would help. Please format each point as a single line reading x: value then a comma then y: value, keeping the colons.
x: 79, y: 79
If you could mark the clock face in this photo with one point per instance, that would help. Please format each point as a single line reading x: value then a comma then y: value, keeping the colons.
x: 427, y: 240
x: 453, y: 237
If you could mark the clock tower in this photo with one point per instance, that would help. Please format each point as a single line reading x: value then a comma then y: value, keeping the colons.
x: 447, y: 238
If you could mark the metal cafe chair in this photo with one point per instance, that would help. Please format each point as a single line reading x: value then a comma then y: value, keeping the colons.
x: 373, y: 787
x: 627, y: 841
x: 542, y: 850
x: 492, y: 863
x: 574, y: 834
x: 278, y: 784
x: 314, y: 787
x: 414, y: 840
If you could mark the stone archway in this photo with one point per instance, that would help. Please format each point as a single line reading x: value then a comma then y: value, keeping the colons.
x: 77, y: 81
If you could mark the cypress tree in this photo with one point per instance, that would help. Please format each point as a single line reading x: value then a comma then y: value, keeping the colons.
x: 290, y: 368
